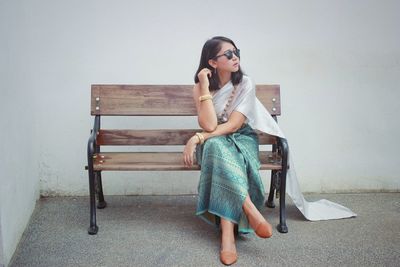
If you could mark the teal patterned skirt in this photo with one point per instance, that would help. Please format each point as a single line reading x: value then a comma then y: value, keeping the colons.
x: 229, y: 172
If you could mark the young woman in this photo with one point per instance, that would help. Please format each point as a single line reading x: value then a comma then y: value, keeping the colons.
x: 230, y: 188
x: 231, y: 192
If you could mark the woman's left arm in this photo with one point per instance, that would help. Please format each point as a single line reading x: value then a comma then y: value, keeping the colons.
x: 235, y: 121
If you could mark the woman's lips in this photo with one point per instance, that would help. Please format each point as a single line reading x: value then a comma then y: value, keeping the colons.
x: 235, y: 65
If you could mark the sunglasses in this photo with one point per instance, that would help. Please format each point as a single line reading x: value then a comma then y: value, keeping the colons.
x: 229, y: 54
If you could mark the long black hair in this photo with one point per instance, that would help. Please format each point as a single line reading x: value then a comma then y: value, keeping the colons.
x: 209, y: 51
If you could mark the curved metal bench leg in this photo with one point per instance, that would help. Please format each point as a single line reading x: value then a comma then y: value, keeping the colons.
x: 282, y: 227
x: 92, y: 183
x: 270, y: 202
x: 101, y: 202
x: 93, y: 228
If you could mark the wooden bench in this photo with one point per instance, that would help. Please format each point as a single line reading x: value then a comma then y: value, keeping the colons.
x: 166, y: 100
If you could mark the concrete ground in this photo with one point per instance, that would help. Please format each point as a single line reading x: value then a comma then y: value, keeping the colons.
x: 163, y: 231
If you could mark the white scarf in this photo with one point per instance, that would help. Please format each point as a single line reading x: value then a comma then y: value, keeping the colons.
x: 257, y: 116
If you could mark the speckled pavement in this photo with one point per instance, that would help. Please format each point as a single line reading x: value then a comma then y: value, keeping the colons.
x: 163, y: 231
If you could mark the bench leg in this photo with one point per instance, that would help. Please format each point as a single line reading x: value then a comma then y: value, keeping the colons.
x: 282, y: 227
x: 93, y: 227
x: 101, y: 203
x: 270, y: 202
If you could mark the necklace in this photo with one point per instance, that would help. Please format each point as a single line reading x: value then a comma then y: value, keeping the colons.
x: 223, y: 117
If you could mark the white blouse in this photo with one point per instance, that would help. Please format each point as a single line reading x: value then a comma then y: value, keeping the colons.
x: 257, y: 116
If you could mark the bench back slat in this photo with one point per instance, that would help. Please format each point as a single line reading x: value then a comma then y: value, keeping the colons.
x: 158, y: 137
x: 162, y: 100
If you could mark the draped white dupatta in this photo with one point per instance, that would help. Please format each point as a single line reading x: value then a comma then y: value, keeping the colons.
x: 258, y: 117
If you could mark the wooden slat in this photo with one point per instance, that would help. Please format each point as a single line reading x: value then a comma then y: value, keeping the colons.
x: 266, y: 139
x: 159, y: 137
x: 161, y: 100
x: 157, y: 161
x: 144, y: 100
x: 269, y: 96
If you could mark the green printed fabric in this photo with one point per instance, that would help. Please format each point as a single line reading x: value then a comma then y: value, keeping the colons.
x: 229, y: 171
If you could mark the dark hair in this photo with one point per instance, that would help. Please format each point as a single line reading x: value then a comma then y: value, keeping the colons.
x: 209, y: 51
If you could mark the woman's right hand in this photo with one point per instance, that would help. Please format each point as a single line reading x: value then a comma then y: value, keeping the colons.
x: 203, y: 77
x: 189, y: 150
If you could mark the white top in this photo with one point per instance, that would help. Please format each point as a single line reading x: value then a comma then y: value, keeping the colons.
x: 257, y: 116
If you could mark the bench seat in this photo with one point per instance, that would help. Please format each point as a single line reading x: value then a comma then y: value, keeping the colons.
x: 163, y: 161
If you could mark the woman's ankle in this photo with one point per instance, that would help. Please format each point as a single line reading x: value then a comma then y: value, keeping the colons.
x: 228, y: 242
x: 227, y: 235
x: 250, y: 209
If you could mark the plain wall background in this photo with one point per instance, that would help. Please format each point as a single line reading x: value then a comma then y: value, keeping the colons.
x: 19, y: 180
x: 337, y: 62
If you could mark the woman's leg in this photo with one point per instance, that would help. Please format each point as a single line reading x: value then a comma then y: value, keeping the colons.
x: 228, y: 253
x: 256, y: 219
x: 228, y: 237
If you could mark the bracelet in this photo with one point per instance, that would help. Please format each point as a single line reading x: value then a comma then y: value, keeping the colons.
x: 201, y: 138
x: 205, y: 97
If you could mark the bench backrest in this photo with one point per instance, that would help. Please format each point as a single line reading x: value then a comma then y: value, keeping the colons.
x: 160, y: 100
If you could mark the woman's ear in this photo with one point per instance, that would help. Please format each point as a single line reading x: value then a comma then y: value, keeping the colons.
x: 212, y: 63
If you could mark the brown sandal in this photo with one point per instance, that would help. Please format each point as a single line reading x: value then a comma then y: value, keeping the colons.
x: 263, y: 229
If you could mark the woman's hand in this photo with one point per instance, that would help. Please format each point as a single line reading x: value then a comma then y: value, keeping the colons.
x: 203, y: 77
x: 189, y: 150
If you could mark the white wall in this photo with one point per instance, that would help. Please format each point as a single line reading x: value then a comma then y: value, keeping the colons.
x: 19, y: 178
x: 19, y: 183
x: 337, y: 63
x: 2, y: 261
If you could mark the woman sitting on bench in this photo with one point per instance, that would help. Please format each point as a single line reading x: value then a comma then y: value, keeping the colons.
x: 231, y: 192
x: 230, y: 182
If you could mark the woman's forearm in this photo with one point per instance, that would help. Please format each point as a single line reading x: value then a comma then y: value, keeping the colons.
x: 207, y: 117
x: 222, y: 129
x: 235, y: 122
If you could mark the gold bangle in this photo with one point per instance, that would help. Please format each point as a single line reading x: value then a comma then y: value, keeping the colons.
x: 205, y: 97
x: 201, y: 138
x: 198, y: 138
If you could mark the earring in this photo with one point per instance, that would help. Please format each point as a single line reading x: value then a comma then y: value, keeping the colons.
x: 215, y: 70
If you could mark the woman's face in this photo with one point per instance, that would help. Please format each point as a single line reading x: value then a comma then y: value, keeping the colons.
x: 222, y: 63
